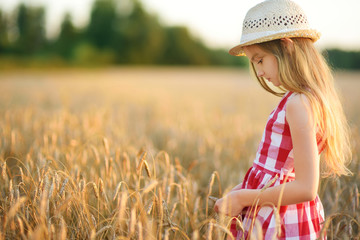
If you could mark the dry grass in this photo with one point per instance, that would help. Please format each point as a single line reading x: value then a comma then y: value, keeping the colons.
x: 139, y: 153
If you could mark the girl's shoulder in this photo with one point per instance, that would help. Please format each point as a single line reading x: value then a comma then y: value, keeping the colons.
x: 298, y: 110
x: 297, y: 100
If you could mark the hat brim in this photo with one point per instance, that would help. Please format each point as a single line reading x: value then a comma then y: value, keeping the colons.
x: 308, y: 33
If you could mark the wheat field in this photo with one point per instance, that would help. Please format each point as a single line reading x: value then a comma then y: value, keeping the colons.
x: 140, y: 153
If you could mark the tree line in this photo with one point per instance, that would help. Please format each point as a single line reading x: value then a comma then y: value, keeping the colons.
x: 115, y: 34
x: 340, y: 59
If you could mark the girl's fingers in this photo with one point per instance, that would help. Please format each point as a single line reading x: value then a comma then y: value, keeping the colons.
x: 216, y: 207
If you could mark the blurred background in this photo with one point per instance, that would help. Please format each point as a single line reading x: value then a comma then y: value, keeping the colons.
x: 153, y: 32
x: 88, y: 86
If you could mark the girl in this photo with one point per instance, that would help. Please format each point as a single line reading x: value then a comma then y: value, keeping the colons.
x: 309, y: 120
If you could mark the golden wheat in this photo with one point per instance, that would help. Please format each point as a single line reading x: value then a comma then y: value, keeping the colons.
x: 131, y: 158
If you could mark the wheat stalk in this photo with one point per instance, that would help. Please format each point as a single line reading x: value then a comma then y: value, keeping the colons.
x: 142, y: 159
x: 211, y: 183
x: 95, y: 189
x: 106, y: 146
x: 140, y: 230
x: 150, y: 187
x: 209, y: 231
x: 117, y: 190
x: 3, y: 172
x: 14, y: 209
x: 103, y: 229
x: 132, y: 221
x: 147, y: 169
x: 62, y: 189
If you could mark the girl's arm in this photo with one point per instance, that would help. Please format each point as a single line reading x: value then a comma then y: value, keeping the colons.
x: 306, y: 165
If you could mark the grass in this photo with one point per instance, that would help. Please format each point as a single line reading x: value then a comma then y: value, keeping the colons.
x: 135, y: 153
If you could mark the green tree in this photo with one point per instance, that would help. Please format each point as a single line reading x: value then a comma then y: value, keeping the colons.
x: 100, y: 31
x: 4, y: 38
x: 67, y: 39
x: 30, y: 25
x: 222, y: 57
x: 340, y: 59
x: 181, y: 48
x: 140, y: 37
x: 116, y: 33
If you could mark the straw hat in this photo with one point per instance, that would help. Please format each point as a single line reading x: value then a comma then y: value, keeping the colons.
x: 273, y: 19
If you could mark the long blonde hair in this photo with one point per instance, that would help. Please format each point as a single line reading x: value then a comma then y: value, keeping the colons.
x: 304, y: 70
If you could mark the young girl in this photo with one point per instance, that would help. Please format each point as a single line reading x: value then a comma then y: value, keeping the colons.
x: 307, y: 122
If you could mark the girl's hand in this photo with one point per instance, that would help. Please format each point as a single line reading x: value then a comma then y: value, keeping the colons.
x: 230, y: 205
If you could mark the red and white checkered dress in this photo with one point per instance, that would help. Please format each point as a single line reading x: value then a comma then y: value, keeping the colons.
x: 275, y: 159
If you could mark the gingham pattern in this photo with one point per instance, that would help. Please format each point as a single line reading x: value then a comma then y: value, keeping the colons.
x: 274, y: 158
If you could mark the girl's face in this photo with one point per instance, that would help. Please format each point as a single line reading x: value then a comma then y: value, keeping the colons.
x: 265, y: 63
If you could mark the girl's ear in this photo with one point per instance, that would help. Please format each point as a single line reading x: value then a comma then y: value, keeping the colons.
x: 288, y: 44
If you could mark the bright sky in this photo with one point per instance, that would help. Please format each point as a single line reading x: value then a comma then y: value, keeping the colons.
x: 218, y: 22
